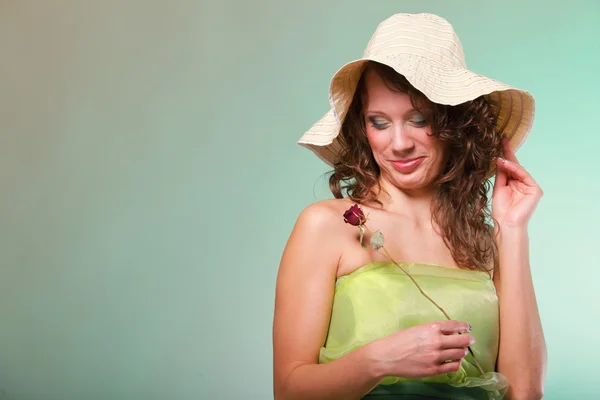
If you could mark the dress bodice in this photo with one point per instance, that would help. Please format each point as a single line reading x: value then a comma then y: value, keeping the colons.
x: 379, y: 299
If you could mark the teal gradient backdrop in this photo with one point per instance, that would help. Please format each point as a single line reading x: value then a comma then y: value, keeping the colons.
x: 149, y: 178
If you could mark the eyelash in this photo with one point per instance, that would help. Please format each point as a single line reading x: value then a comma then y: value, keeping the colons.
x: 376, y: 125
x: 420, y: 124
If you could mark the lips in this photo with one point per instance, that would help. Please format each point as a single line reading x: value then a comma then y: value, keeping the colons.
x: 408, y: 165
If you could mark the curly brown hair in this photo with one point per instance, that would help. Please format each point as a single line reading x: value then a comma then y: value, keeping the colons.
x: 460, y: 208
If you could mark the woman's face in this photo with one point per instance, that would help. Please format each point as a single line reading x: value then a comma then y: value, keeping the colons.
x: 408, y: 156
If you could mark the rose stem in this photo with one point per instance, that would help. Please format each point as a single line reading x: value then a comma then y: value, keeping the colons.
x: 429, y: 298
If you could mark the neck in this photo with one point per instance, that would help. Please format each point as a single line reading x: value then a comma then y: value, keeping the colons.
x: 414, y: 203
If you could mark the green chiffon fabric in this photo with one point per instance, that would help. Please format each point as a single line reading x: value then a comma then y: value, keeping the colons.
x: 379, y: 299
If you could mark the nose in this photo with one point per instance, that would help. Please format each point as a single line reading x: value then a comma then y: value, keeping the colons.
x: 402, y: 141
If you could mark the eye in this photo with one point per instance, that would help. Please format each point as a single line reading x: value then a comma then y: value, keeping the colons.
x: 419, y: 121
x: 378, y: 123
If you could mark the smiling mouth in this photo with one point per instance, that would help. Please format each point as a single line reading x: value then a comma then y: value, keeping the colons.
x: 407, y: 165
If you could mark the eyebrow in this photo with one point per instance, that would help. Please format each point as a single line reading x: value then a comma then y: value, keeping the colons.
x: 412, y: 110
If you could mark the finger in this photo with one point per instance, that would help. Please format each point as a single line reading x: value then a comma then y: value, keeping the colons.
x: 455, y: 341
x: 451, y: 327
x: 449, y: 367
x: 517, y: 171
x: 453, y: 355
x: 501, y: 178
x: 509, y: 154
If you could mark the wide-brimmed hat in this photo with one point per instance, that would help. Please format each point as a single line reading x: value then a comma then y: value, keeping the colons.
x: 425, y: 49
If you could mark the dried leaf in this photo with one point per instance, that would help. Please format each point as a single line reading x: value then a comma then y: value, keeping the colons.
x: 377, y: 240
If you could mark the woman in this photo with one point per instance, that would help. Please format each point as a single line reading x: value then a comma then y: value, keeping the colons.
x: 413, y: 137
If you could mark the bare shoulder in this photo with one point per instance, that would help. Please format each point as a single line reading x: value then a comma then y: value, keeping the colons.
x: 330, y: 209
x: 318, y: 230
x: 324, y: 215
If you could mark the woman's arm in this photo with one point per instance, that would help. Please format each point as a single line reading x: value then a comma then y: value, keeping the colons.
x: 522, y: 354
x: 304, y: 294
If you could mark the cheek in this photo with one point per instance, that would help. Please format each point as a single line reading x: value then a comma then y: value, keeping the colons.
x: 377, y: 140
x: 440, y: 151
x: 433, y: 143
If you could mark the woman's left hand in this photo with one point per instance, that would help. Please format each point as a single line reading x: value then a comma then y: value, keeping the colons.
x: 516, y: 194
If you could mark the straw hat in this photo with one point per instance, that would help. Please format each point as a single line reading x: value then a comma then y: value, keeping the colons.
x: 424, y: 49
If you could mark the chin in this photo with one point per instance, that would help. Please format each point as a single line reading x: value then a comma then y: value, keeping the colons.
x: 411, y: 182
x: 412, y: 185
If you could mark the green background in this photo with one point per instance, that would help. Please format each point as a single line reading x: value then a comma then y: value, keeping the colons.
x: 150, y: 176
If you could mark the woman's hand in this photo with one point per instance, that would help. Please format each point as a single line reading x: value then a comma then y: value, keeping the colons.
x: 422, y: 350
x: 516, y: 194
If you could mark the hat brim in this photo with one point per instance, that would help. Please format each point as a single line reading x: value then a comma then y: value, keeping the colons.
x: 439, y: 83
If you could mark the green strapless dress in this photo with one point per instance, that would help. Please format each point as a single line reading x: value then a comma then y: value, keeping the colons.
x: 378, y: 299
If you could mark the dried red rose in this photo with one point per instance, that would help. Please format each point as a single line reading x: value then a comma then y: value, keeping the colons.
x: 354, y: 216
